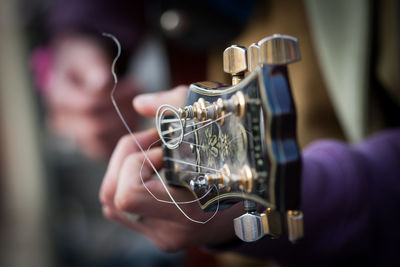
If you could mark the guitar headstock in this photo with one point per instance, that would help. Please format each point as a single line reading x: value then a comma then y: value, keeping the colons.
x: 241, y: 140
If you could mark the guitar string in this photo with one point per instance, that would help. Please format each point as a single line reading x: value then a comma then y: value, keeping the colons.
x: 166, y: 201
x: 137, y: 142
x: 242, y: 191
x: 196, y: 165
x: 177, y: 129
x: 170, y: 120
x: 193, y: 144
x: 159, y: 117
x: 250, y: 134
x: 197, y: 129
x: 176, y: 120
x: 191, y: 125
x: 192, y: 164
x: 214, y: 121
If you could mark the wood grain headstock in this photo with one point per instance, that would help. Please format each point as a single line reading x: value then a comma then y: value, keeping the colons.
x: 241, y: 141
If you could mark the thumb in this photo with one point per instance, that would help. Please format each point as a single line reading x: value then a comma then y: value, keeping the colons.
x: 147, y: 104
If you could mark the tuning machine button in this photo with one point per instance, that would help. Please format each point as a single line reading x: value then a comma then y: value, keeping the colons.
x: 295, y: 225
x: 235, y: 62
x: 253, y: 57
x: 249, y: 227
x: 252, y: 226
x: 279, y: 49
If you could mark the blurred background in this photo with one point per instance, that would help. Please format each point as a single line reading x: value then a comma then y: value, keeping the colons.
x: 50, y: 213
x: 346, y: 87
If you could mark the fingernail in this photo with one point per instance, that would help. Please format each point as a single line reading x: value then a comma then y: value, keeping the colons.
x: 132, y: 217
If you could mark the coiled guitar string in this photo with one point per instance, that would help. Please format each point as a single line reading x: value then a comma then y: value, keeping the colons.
x: 173, y: 201
x: 169, y: 108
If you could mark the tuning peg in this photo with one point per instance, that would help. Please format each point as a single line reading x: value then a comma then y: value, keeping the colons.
x: 253, y: 57
x: 279, y: 49
x: 295, y: 225
x: 252, y: 226
x: 249, y: 227
x: 235, y: 62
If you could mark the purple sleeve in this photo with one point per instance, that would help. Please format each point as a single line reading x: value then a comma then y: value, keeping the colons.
x: 351, y: 204
x: 124, y: 19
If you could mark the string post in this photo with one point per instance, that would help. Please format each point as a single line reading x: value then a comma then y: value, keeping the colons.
x: 201, y: 110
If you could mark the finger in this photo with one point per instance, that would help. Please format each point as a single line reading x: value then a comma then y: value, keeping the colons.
x: 166, y: 235
x: 136, y: 170
x: 147, y: 104
x: 138, y: 200
x: 124, y: 147
x: 141, y: 165
x: 132, y: 164
x: 173, y: 235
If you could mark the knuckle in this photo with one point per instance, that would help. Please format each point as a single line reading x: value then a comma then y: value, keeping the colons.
x: 106, y: 196
x: 133, y: 165
x: 125, y: 141
x: 109, y: 214
x: 181, y: 87
x: 125, y: 200
x: 132, y: 159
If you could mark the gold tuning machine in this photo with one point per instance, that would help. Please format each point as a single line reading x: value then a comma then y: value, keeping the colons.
x: 244, y: 179
x: 235, y: 62
x: 202, y: 110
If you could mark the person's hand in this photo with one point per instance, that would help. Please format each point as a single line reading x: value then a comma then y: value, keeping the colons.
x: 123, y: 194
x: 78, y: 95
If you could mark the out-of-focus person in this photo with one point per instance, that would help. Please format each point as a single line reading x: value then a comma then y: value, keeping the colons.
x: 76, y: 82
x: 73, y: 75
